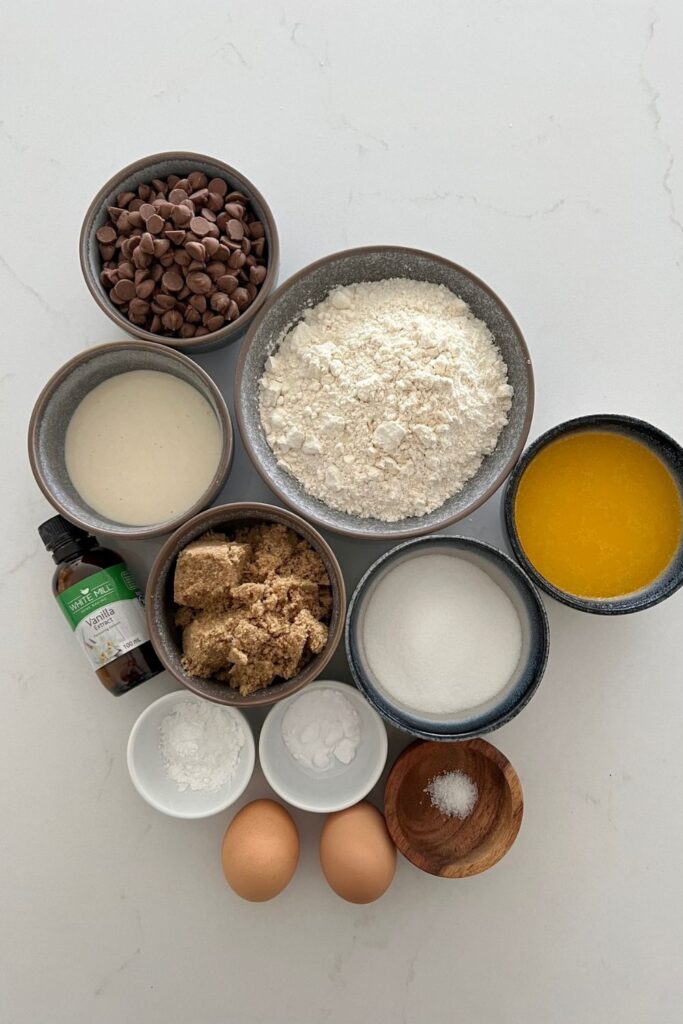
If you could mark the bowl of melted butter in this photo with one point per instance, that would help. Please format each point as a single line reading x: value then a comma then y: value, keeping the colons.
x: 594, y: 513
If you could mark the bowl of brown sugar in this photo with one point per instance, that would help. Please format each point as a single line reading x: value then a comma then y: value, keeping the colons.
x: 245, y: 604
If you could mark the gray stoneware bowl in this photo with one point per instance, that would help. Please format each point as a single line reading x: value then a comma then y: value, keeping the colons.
x: 663, y: 446
x: 160, y: 607
x: 526, y: 677
x: 374, y: 263
x: 55, y: 406
x: 160, y: 165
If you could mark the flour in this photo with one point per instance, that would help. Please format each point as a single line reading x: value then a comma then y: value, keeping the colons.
x: 384, y: 399
x: 200, y: 745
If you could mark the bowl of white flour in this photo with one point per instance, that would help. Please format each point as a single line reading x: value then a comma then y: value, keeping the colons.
x: 384, y: 392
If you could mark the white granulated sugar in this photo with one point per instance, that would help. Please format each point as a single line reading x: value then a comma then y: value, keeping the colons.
x: 384, y: 399
x: 200, y: 745
x: 439, y: 635
x: 321, y: 728
x: 453, y: 793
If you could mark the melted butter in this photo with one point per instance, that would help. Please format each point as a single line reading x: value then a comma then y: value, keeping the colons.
x: 598, y: 514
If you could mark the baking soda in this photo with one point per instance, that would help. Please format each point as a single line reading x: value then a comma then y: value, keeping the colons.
x: 321, y: 728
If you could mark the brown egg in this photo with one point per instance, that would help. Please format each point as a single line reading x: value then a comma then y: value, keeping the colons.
x: 357, y: 855
x: 260, y: 851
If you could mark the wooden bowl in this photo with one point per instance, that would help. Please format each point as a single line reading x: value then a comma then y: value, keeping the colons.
x: 451, y: 847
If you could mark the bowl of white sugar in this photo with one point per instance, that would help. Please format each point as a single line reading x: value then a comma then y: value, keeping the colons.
x: 384, y: 392
x: 447, y: 637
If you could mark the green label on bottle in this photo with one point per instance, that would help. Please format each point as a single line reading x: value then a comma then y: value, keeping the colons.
x: 105, y: 612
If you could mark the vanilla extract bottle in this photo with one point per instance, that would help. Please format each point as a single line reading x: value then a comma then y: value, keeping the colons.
x: 102, y: 604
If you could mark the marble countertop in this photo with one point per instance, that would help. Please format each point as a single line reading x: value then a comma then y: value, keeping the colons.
x: 539, y: 145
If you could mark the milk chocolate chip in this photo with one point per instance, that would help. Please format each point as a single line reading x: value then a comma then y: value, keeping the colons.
x: 182, y: 256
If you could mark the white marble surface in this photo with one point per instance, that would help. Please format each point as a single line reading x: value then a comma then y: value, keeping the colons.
x: 539, y: 144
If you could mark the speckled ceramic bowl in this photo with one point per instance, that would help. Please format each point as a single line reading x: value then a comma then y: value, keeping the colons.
x: 663, y: 446
x: 160, y: 165
x: 55, y: 407
x: 160, y: 606
x: 375, y: 263
x: 524, y: 681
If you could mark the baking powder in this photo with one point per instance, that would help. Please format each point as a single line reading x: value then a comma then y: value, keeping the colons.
x: 200, y: 745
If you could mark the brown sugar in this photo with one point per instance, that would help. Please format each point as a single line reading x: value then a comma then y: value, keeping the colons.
x: 206, y: 570
x: 253, y: 607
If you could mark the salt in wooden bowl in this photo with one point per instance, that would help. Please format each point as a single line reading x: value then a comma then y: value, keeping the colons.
x: 449, y: 846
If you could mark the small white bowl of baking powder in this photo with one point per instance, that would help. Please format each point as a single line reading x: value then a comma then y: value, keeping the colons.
x: 324, y: 748
x: 189, y: 757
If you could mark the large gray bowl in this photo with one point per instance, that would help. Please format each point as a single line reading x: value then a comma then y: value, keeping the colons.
x: 160, y: 165
x: 375, y: 263
x: 56, y: 404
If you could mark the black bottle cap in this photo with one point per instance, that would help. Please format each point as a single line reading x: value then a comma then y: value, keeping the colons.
x: 57, y: 533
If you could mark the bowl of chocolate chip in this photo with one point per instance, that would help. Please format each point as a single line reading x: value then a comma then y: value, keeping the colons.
x: 181, y: 249
x: 245, y: 604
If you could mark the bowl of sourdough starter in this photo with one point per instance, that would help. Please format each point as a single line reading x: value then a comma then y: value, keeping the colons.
x: 384, y: 392
x: 130, y: 440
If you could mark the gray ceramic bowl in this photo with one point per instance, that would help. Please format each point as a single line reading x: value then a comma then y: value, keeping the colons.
x: 309, y: 287
x: 160, y: 165
x: 528, y: 673
x: 160, y: 606
x: 55, y: 406
x: 671, y: 454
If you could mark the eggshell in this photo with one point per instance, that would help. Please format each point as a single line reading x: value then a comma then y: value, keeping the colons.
x: 260, y: 851
x: 357, y: 855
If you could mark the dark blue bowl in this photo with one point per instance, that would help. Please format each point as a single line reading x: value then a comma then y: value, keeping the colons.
x: 671, y: 454
x: 521, y: 687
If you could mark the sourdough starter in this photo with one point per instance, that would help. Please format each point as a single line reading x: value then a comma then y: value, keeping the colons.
x: 142, y: 447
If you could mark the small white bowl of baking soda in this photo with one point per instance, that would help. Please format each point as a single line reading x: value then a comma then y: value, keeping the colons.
x: 323, y: 749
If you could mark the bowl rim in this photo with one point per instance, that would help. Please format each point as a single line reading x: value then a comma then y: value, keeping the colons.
x: 485, y: 749
x: 132, y: 532
x: 388, y: 710
x: 389, y: 533
x: 226, y: 333
x: 235, y: 793
x: 171, y: 549
x: 631, y: 426
x: 382, y: 750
